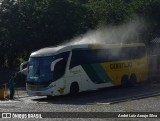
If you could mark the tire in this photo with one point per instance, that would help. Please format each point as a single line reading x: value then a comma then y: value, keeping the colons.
x: 74, y: 89
x: 133, y: 80
x: 49, y: 97
x: 125, y: 81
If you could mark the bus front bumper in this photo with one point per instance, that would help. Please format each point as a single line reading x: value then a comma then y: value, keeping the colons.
x: 48, y: 92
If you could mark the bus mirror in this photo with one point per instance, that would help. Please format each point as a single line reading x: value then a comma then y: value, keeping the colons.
x: 23, y: 65
x: 54, y: 62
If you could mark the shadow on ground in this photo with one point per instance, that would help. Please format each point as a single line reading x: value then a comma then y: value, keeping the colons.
x: 108, y: 95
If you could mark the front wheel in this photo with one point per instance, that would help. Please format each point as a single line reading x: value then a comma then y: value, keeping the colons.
x: 74, y: 89
x: 49, y: 97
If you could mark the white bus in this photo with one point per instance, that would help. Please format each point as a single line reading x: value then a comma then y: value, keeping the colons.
x: 75, y: 68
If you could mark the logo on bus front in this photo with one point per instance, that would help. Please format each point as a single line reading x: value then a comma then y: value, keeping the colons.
x: 32, y: 86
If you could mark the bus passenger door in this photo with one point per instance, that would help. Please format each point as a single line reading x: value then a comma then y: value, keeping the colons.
x: 86, y: 84
x: 60, y: 86
x: 58, y: 68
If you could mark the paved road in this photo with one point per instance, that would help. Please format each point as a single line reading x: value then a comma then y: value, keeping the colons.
x: 144, y: 98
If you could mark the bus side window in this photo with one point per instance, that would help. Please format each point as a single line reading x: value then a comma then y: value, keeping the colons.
x: 59, y: 69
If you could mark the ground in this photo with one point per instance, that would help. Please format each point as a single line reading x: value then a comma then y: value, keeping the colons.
x: 141, y: 98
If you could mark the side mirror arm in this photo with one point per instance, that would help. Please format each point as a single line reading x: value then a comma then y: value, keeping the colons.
x: 54, y: 63
x: 22, y: 64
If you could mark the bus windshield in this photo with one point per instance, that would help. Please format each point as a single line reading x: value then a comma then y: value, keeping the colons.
x: 39, y: 67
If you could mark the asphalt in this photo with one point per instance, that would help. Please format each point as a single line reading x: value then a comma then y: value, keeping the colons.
x: 19, y: 93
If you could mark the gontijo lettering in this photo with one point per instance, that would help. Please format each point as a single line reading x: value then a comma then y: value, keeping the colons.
x: 121, y: 65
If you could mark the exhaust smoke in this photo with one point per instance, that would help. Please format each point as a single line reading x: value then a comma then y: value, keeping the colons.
x: 129, y: 32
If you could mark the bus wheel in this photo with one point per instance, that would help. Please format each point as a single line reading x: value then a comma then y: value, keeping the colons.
x: 124, y: 81
x: 74, y: 88
x: 49, y: 97
x: 133, y: 80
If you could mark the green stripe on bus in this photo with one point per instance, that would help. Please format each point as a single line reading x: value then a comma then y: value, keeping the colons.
x: 101, y: 73
x: 96, y: 73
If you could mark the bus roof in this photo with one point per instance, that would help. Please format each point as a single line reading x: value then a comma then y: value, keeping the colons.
x: 50, y: 51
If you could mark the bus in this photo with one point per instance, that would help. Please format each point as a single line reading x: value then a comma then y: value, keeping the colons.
x: 72, y: 69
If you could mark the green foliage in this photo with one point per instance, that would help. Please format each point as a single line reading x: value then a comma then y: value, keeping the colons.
x: 108, y: 11
x: 27, y: 25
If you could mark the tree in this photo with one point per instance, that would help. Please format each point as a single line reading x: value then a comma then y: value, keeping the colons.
x: 150, y: 10
x: 108, y: 11
x: 28, y: 25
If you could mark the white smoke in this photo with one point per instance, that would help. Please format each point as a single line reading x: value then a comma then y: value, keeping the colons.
x: 127, y: 32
